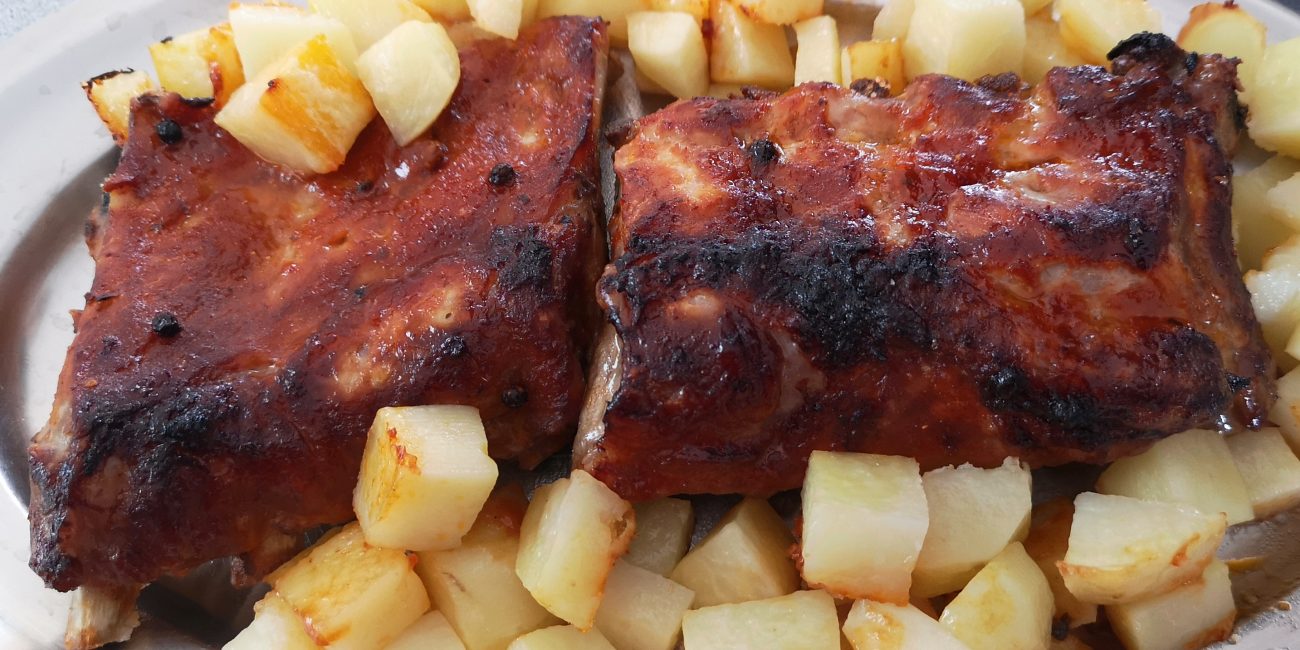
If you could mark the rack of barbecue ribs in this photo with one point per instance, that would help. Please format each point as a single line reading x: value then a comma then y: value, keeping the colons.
x: 960, y: 273
x: 245, y: 323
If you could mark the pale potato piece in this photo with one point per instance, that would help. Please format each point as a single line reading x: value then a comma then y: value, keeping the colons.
x: 562, y: 637
x: 573, y: 533
x: 303, y: 111
x: 371, y: 20
x: 1227, y: 29
x: 698, y: 9
x: 1044, y: 48
x: 411, y: 75
x: 613, y: 11
x: 663, y: 533
x: 965, y: 38
x: 1094, y: 27
x: 745, y: 557
x: 351, y: 594
x: 275, y: 625
x: 1194, y: 615
x: 804, y: 620
x: 1270, y: 468
x: 1006, y: 606
x: 1123, y: 549
x: 265, y: 33
x: 818, y: 56
x: 462, y: 34
x: 431, y: 632
x: 1257, y: 225
x: 668, y: 47
x: 748, y: 52
x: 1283, y: 200
x: 448, y: 11
x: 881, y: 61
x: 500, y: 17
x: 882, y: 626
x: 1034, y: 6
x: 779, y: 12
x: 112, y: 93
x: 642, y: 610
x: 893, y: 20
x: 1193, y: 468
x: 1274, y: 124
x: 974, y: 514
x: 202, y: 63
x: 1275, y: 295
x: 864, y: 521
x: 1048, y: 539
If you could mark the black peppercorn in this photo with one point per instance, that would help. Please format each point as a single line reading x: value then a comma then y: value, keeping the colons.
x: 169, y: 131
x: 1061, y: 627
x: 165, y: 324
x: 514, y: 397
x: 454, y: 346
x: 763, y: 151
x: 502, y: 175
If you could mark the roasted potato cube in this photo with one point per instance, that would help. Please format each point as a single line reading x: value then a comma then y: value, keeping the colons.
x: 613, y: 11
x: 893, y: 20
x: 447, y: 11
x: 1006, y: 606
x: 411, y: 75
x: 872, y: 626
x: 1044, y: 48
x: 111, y: 95
x: 1034, y: 6
x: 1193, y: 468
x: 974, y: 514
x: 804, y: 620
x: 1225, y: 29
x: 275, y: 625
x: 1124, y: 550
x: 574, y: 532
x: 202, y: 63
x: 698, y: 9
x: 304, y: 111
x: 500, y: 17
x: 779, y: 12
x: 748, y: 52
x: 1193, y: 615
x: 1048, y: 539
x: 878, y: 60
x: 965, y: 38
x: 562, y: 637
x: 1271, y: 470
x: 371, y: 20
x: 642, y: 610
x: 1286, y: 410
x: 668, y: 47
x: 745, y: 557
x: 818, y: 56
x: 431, y: 632
x: 864, y: 521
x: 1283, y: 200
x: 1094, y: 27
x: 265, y: 33
x: 1274, y: 123
x: 1257, y: 225
x: 663, y: 533
x: 1275, y: 295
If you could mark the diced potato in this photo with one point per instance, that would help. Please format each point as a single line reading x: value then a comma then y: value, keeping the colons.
x: 1194, y: 615
x: 748, y: 52
x: 411, y: 75
x: 351, y: 594
x: 304, y: 111
x: 1270, y: 468
x: 476, y: 586
x: 893, y: 20
x: 500, y: 17
x: 448, y: 11
x: 1034, y: 6
x: 574, y: 532
x: 875, y: 626
x: 779, y: 12
x: 1123, y: 549
x: 1044, y: 48
x: 698, y: 9
x: 745, y: 557
x: 1274, y: 123
x: 663, y: 533
x: 431, y: 632
x: 202, y: 63
x: 668, y: 47
x: 1227, y: 29
x: 111, y: 95
x: 462, y: 34
x: 275, y: 625
x: 1283, y: 200
x: 965, y: 38
x: 1094, y: 27
x: 1286, y: 410
x: 425, y: 472
x: 265, y: 33
x: 974, y: 514
x: 642, y: 610
x: 864, y: 521
x: 1006, y: 606
x: 878, y: 60
x: 562, y: 637
x: 1275, y: 295
x: 613, y: 11
x: 804, y: 620
x: 99, y: 615
x: 818, y: 56
x: 1193, y: 468
x: 1258, y: 227
x: 1048, y: 539
x: 371, y: 20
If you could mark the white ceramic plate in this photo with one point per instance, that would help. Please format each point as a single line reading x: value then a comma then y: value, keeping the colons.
x: 53, y: 154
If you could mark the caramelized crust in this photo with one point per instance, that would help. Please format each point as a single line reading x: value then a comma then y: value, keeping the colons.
x: 958, y: 274
x: 245, y: 323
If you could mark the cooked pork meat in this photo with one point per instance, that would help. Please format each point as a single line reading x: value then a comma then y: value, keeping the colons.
x: 961, y: 273
x: 245, y: 322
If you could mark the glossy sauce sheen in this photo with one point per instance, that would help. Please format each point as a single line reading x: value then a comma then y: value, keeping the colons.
x: 958, y: 274
x: 246, y: 323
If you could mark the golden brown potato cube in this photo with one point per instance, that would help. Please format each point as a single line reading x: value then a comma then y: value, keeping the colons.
x: 1193, y: 468
x: 748, y: 52
x: 411, y: 75
x: 1227, y: 29
x: 872, y: 626
x: 878, y: 60
x: 275, y: 625
x: 1274, y: 123
x: 202, y: 63
x: 663, y: 533
x: 668, y: 48
x: 1194, y: 615
x: 111, y: 95
x: 1006, y: 606
x: 804, y: 620
x: 745, y: 557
